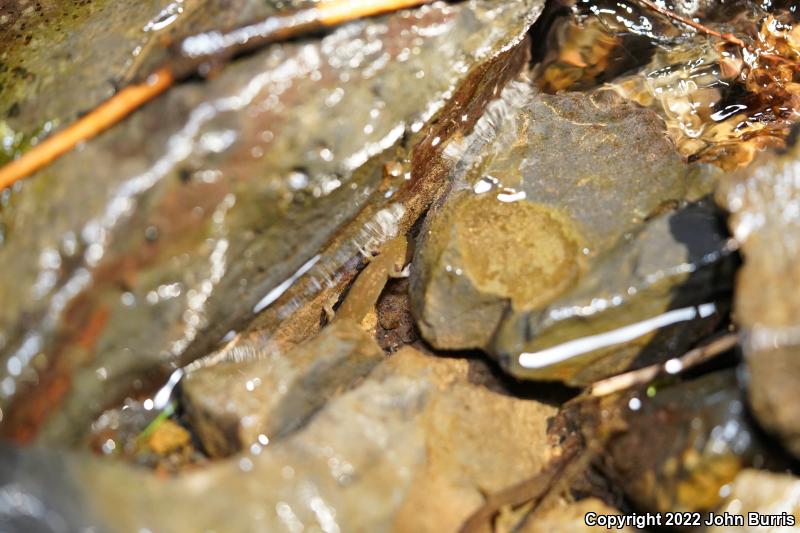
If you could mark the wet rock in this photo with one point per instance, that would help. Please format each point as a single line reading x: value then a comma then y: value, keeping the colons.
x: 58, y: 60
x: 91, y: 44
x: 461, y: 463
x: 478, y: 255
x: 763, y: 203
x: 546, y: 194
x: 675, y: 447
x: 405, y: 451
x: 232, y: 406
x: 551, y: 249
x: 165, y: 234
x: 50, y: 499
x: 649, y: 299
x: 772, y: 498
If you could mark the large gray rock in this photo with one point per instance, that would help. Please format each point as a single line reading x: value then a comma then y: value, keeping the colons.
x: 159, y: 238
x: 650, y: 298
x: 534, y: 249
x: 480, y: 254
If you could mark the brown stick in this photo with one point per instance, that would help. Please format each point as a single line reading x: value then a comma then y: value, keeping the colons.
x: 641, y: 376
x: 727, y: 37
x: 134, y: 96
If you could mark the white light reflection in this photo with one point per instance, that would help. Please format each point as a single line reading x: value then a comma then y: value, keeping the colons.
x: 164, y: 394
x: 167, y: 16
x: 276, y: 293
x: 568, y: 350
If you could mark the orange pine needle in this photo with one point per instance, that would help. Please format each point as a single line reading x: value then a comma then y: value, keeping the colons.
x: 101, y: 118
x: 132, y: 97
x: 333, y: 13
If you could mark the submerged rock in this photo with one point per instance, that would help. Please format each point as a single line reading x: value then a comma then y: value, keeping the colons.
x: 763, y: 202
x: 164, y: 235
x: 232, y: 406
x: 534, y: 249
x: 404, y: 451
x: 674, y: 448
x: 649, y: 299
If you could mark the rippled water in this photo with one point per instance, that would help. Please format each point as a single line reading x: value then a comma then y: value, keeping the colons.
x: 721, y: 102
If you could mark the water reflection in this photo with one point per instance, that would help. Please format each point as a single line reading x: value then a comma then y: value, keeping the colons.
x: 722, y: 103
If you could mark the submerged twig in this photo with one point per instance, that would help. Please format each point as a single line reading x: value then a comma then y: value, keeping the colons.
x: 641, y: 376
x: 194, y: 54
x: 727, y: 37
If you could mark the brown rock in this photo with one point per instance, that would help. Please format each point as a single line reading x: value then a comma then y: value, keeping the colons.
x: 461, y: 463
x: 159, y: 238
x: 534, y: 249
x: 168, y: 437
x: 233, y: 405
x: 407, y: 450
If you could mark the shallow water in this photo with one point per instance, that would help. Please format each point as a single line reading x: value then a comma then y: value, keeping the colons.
x: 722, y: 103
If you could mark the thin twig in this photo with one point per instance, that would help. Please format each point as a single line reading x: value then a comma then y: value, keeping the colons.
x: 534, y: 489
x: 223, y: 46
x: 779, y: 59
x: 101, y: 118
x: 727, y: 37
x: 644, y: 375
